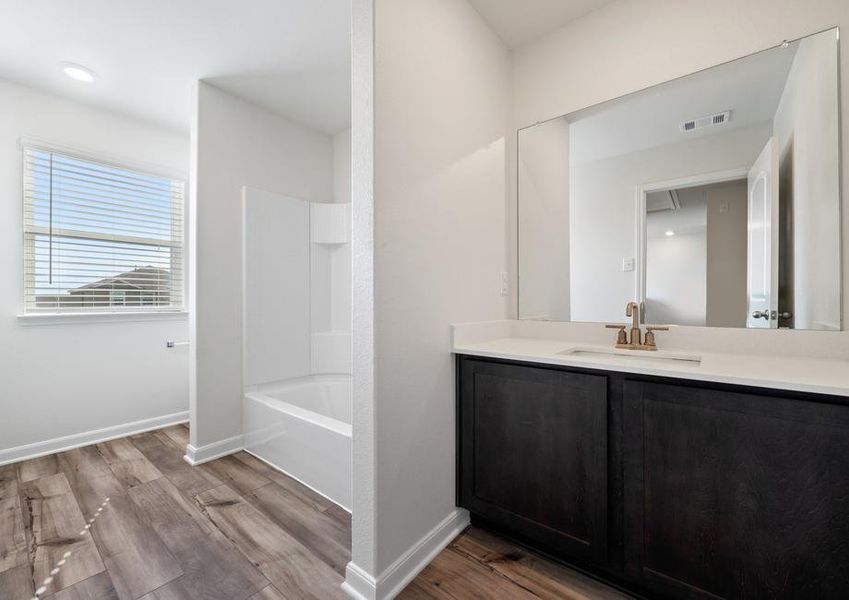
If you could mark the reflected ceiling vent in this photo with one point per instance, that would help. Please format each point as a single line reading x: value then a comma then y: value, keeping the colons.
x: 707, y: 121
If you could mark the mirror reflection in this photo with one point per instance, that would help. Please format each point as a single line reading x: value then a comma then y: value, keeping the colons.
x: 712, y: 200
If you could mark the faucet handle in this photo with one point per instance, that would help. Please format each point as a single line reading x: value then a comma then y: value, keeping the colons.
x: 621, y: 336
x: 650, y: 341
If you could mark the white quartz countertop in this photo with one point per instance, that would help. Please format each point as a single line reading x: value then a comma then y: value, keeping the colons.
x: 813, y: 375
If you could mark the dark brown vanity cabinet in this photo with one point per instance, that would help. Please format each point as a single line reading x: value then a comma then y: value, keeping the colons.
x: 533, y: 447
x: 669, y: 488
x: 735, y: 495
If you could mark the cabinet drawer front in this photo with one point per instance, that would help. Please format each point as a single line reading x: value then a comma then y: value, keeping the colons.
x: 735, y: 495
x: 534, y: 453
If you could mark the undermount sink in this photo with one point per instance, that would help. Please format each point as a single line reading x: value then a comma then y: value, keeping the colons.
x: 659, y: 356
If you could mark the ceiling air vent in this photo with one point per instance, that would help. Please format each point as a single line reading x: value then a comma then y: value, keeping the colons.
x: 707, y: 121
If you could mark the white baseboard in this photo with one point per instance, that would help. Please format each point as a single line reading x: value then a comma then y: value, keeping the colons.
x: 69, y: 442
x: 362, y: 586
x: 197, y: 456
x: 401, y: 572
x: 358, y: 584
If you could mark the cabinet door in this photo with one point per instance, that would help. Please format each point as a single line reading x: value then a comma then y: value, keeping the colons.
x: 533, y: 453
x: 735, y: 495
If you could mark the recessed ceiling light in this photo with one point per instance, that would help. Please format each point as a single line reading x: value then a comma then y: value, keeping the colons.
x: 78, y: 72
x: 670, y: 233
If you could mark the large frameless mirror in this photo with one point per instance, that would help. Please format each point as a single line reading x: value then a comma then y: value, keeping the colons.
x: 712, y: 200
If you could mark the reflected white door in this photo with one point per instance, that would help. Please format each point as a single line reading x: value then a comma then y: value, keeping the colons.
x: 762, y: 286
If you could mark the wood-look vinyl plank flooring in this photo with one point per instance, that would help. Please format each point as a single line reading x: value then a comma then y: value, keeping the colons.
x: 97, y: 587
x: 57, y: 527
x: 13, y: 538
x: 287, y: 563
x: 211, y: 567
x: 480, y: 564
x: 129, y: 465
x: 233, y: 529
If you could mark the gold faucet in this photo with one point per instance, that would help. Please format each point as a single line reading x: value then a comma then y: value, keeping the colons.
x: 632, y: 309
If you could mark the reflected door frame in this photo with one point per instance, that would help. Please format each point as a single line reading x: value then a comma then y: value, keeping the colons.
x: 642, y: 190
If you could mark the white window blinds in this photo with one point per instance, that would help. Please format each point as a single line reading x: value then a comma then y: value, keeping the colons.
x: 100, y: 238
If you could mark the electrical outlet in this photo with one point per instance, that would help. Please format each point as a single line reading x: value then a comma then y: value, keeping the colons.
x: 628, y: 264
x: 505, y: 283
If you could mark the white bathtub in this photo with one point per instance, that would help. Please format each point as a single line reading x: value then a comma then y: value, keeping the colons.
x: 303, y: 427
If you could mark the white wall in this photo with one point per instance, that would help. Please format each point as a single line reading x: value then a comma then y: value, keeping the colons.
x: 65, y: 379
x: 623, y: 41
x: 807, y: 121
x: 341, y: 272
x: 544, y: 221
x: 603, y: 211
x: 236, y: 143
x: 342, y: 167
x: 441, y: 101
x: 676, y: 285
x: 361, y: 571
x: 276, y: 287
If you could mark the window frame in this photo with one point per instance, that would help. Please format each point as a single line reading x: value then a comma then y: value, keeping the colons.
x: 28, y: 312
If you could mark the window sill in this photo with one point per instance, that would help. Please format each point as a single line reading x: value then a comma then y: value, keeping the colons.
x: 116, y: 317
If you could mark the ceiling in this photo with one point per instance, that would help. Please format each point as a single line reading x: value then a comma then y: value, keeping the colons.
x: 519, y: 21
x: 290, y: 56
x: 690, y: 218
x: 750, y: 88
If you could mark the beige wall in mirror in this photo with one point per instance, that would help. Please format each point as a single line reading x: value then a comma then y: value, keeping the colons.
x: 712, y: 199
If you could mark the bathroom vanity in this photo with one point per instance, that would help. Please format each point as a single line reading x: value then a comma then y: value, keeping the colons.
x: 643, y: 471
x: 711, y: 204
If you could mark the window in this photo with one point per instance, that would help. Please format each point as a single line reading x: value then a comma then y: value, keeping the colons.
x: 99, y: 237
x: 117, y: 297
